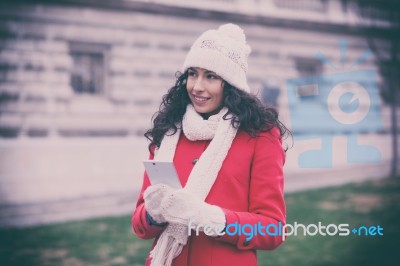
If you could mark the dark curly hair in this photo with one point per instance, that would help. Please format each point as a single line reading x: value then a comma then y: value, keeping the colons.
x: 250, y: 113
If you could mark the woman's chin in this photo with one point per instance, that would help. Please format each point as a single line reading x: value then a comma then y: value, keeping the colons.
x: 201, y: 109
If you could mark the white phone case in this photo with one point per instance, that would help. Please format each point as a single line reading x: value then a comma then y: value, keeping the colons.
x: 163, y: 172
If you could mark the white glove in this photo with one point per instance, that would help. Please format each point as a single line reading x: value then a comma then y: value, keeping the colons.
x: 153, y: 195
x: 182, y: 207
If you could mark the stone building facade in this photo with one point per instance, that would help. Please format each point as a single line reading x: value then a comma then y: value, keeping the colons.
x: 73, y: 68
x: 85, y: 68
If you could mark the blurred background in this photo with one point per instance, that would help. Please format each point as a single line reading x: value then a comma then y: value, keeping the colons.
x: 81, y: 79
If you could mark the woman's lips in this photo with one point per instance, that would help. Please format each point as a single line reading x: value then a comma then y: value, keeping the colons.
x: 200, y: 100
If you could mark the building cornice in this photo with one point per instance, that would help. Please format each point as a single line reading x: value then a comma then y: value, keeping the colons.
x: 190, y: 12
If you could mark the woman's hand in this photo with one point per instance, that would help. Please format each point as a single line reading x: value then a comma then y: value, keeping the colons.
x: 185, y: 208
x: 153, y: 196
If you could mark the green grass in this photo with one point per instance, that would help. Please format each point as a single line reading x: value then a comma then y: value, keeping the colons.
x: 110, y: 241
x: 371, y: 203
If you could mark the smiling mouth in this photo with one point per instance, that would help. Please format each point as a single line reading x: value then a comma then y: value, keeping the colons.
x: 200, y: 99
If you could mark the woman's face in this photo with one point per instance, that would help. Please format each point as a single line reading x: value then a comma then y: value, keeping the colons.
x: 205, y: 89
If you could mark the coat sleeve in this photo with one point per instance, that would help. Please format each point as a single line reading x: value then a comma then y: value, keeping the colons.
x: 139, y: 222
x: 266, y: 196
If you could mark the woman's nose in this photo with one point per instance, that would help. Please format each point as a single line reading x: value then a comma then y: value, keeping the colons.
x: 198, y: 85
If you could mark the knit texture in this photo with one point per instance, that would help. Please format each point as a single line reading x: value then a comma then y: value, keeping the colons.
x: 202, y: 176
x: 152, y: 197
x: 223, y: 51
x: 182, y: 207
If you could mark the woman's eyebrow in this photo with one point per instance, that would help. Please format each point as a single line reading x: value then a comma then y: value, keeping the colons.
x: 192, y: 69
x: 211, y: 72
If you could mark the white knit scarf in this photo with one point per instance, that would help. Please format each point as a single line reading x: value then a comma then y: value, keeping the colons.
x: 202, y: 176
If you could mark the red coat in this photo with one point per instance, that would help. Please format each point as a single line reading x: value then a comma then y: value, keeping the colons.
x: 249, y: 188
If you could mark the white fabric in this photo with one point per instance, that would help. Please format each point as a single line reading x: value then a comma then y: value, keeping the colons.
x: 223, y: 51
x: 202, y: 176
x: 152, y: 198
x: 182, y: 207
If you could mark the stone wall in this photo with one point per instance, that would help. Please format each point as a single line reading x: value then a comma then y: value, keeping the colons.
x: 142, y: 52
x: 52, y: 168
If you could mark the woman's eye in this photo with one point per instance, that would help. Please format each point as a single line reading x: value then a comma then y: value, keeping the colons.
x: 191, y: 73
x: 211, y: 76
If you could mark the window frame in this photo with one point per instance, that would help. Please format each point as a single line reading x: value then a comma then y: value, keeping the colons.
x: 92, y: 48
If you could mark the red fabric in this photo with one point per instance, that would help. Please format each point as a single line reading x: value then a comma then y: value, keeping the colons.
x: 249, y: 188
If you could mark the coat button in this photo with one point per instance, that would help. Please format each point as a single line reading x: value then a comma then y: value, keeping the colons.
x: 195, y: 161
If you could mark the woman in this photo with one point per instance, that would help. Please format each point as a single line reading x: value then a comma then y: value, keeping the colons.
x: 226, y: 147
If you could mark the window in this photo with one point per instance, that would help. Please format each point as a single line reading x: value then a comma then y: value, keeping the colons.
x: 308, y: 67
x: 89, y: 68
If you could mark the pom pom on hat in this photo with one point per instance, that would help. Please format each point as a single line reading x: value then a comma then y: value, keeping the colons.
x: 233, y: 31
x: 223, y: 51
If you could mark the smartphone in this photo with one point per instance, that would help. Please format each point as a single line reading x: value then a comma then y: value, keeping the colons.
x: 163, y: 172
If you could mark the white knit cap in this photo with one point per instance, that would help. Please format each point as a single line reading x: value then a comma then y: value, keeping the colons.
x: 223, y: 51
